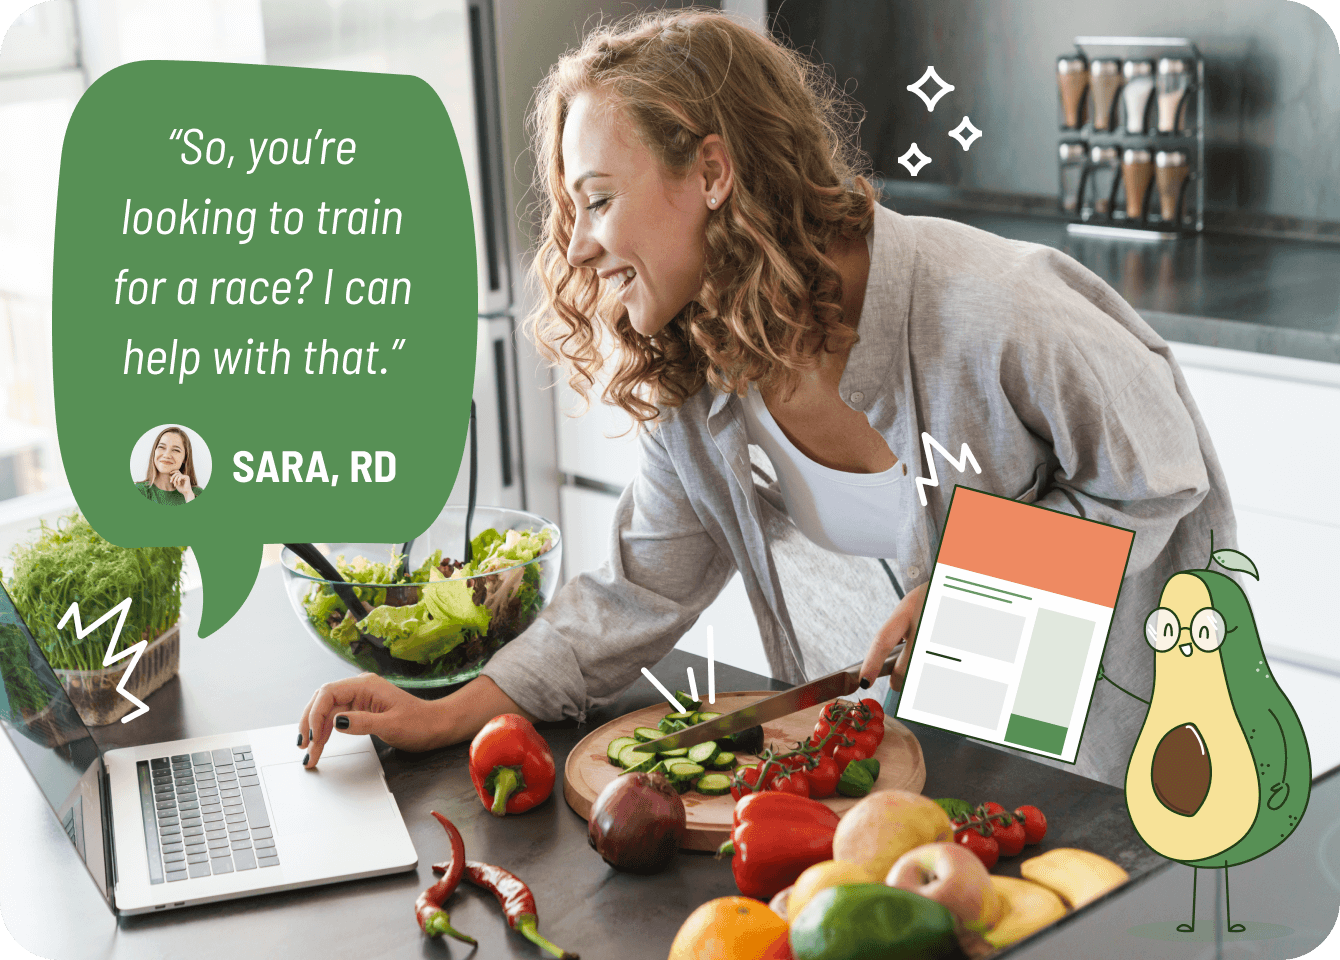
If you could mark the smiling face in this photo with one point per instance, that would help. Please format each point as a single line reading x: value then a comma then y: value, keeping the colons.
x: 170, y: 453
x: 640, y: 228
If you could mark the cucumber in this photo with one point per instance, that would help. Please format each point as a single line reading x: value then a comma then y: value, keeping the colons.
x: 713, y: 784
x: 631, y: 756
x: 685, y: 716
x: 704, y: 717
x: 723, y: 761
x: 616, y: 747
x: 647, y: 734
x: 689, y: 702
x: 672, y: 726
x: 704, y: 752
x: 677, y: 752
x: 646, y: 763
x: 685, y: 770
x: 748, y: 741
x: 660, y: 768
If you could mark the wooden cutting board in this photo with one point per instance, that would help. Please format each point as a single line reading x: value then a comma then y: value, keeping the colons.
x: 587, y: 770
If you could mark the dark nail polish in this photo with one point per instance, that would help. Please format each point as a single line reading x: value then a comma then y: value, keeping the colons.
x: 299, y: 743
x: 341, y: 723
x: 865, y: 684
x: 310, y: 735
x: 305, y: 758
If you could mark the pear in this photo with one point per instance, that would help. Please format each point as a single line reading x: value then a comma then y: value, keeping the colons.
x: 886, y: 825
x: 1028, y: 908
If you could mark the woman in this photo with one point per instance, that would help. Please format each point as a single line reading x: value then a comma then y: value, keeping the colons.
x: 704, y: 211
x: 170, y: 478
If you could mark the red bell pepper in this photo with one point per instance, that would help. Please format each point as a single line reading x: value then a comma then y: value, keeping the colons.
x: 511, y: 765
x: 776, y: 837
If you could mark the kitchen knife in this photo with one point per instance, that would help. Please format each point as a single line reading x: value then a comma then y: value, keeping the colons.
x: 806, y: 695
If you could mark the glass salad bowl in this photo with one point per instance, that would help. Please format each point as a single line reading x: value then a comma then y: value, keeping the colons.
x: 441, y: 622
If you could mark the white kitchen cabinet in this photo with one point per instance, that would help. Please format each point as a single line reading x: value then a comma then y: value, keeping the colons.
x: 1274, y: 422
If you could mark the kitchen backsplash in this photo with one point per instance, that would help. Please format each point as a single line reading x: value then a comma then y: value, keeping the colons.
x: 1272, y: 91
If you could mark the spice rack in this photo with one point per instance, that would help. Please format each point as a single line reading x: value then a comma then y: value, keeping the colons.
x: 1109, y: 141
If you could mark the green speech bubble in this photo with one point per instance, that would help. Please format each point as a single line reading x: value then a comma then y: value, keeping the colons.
x: 207, y: 211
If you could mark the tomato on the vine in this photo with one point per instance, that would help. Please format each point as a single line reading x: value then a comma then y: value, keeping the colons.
x: 845, y: 754
x: 876, y: 711
x: 744, y: 782
x: 1009, y: 837
x: 986, y: 848
x: 1035, y: 823
x: 794, y: 781
x: 824, y: 778
x: 866, y: 741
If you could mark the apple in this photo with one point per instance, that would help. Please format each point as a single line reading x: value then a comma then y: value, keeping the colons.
x: 887, y: 824
x: 953, y: 876
x: 778, y: 903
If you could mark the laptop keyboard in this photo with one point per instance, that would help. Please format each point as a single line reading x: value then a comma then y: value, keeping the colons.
x: 204, y: 815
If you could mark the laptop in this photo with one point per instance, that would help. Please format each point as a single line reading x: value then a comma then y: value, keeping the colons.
x: 195, y: 821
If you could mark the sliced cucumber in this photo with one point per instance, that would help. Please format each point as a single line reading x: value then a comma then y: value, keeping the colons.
x: 631, y: 756
x: 672, y: 726
x: 677, y: 752
x: 689, y: 702
x: 647, y: 734
x: 713, y: 784
x: 704, y: 717
x: 685, y: 716
x: 723, y: 761
x: 685, y: 770
x: 704, y: 752
x: 660, y: 768
x: 616, y: 747
x: 642, y: 765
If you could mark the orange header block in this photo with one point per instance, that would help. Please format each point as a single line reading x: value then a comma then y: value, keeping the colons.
x: 1035, y: 547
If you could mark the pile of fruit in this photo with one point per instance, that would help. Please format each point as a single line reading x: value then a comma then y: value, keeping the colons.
x: 886, y: 879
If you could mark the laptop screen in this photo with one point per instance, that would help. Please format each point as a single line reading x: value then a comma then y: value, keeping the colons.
x: 48, y: 735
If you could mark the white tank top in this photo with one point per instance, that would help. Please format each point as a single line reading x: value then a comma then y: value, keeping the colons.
x: 852, y: 513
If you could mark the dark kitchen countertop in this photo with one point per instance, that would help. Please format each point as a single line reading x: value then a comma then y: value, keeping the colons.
x: 260, y: 669
x: 1252, y: 293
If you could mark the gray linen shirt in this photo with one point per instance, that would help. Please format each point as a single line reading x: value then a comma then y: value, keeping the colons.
x: 1066, y: 396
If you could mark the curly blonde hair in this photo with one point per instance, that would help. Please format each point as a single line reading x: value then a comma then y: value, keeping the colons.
x: 771, y: 297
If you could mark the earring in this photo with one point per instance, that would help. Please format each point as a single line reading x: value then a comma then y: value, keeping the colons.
x: 713, y: 201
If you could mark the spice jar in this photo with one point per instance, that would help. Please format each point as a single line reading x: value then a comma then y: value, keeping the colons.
x: 1073, y: 154
x: 1135, y: 95
x: 1170, y: 173
x: 1072, y: 79
x: 1137, y: 171
x: 1173, y: 82
x: 1104, y: 80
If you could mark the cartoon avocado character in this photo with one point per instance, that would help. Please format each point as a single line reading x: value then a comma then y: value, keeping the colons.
x: 1221, y: 772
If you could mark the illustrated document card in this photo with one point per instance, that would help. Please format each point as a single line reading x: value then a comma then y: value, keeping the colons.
x: 1016, y: 618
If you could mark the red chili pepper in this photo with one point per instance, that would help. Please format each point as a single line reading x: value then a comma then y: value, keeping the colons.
x: 428, y: 908
x: 776, y: 836
x: 518, y: 904
x: 511, y: 765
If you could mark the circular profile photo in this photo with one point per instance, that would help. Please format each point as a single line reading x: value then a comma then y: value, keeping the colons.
x: 170, y: 464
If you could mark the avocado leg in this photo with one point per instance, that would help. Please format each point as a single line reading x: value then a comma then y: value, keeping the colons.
x: 1191, y: 927
x: 1228, y: 909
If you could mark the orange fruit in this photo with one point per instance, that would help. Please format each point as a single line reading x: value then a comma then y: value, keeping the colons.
x: 728, y: 928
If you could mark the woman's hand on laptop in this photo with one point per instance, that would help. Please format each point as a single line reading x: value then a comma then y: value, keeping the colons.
x: 369, y: 704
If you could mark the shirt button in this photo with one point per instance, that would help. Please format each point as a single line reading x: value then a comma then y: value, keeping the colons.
x: 914, y: 571
x: 858, y: 397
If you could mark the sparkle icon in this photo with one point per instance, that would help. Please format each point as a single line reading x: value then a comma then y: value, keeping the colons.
x: 921, y: 160
x: 958, y: 133
x: 930, y: 74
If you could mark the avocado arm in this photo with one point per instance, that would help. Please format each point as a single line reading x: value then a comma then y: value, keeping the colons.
x: 1102, y: 675
x: 1279, y: 791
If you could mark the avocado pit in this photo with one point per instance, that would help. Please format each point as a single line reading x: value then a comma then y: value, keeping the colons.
x: 1181, y: 770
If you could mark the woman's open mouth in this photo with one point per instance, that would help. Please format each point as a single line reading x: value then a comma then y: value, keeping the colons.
x: 623, y: 280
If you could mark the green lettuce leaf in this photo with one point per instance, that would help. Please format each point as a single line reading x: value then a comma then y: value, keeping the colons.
x: 452, y: 601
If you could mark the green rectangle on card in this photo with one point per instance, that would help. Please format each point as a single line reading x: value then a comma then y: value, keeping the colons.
x: 1027, y: 732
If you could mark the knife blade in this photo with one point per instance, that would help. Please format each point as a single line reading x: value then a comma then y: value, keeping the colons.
x: 837, y: 684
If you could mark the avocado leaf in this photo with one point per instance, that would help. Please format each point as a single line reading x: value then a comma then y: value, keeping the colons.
x: 1233, y: 560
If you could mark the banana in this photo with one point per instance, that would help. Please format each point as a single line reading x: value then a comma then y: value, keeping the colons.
x: 1079, y: 876
x: 1028, y: 908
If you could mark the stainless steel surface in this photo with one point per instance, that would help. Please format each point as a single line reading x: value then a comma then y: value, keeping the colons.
x: 836, y: 684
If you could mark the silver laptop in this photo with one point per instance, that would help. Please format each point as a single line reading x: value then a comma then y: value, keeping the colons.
x: 194, y: 821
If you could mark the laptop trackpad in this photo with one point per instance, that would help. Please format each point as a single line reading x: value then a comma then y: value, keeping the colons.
x: 343, y: 798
